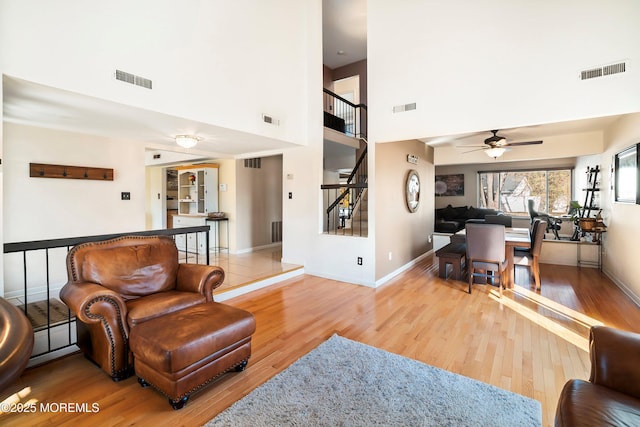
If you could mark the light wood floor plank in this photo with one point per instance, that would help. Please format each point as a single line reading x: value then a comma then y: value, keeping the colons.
x: 417, y: 315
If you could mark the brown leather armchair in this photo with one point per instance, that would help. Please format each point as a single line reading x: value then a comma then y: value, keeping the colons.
x: 116, y: 284
x: 612, y: 394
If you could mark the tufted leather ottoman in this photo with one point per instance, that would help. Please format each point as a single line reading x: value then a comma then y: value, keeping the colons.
x: 185, y: 350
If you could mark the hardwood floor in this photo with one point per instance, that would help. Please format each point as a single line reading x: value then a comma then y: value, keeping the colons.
x: 505, y: 343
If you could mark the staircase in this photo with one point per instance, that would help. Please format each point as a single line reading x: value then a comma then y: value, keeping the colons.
x: 358, y: 225
x: 346, y: 205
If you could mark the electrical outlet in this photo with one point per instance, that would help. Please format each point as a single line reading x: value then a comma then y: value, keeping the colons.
x: 390, y: 255
x: 429, y: 238
x: 359, y: 260
x: 125, y: 195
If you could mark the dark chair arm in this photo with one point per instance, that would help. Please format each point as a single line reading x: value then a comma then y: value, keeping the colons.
x: 199, y: 278
x: 615, y: 357
x: 92, y: 303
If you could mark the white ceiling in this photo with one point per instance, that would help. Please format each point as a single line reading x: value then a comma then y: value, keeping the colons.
x: 344, y: 29
x: 37, y: 105
x: 525, y: 133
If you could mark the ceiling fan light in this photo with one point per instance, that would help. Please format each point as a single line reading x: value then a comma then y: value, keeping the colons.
x: 495, y: 152
x: 187, y: 141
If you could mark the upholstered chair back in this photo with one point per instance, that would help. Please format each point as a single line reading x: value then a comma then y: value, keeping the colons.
x: 486, y: 242
x: 131, y: 266
x: 538, y: 237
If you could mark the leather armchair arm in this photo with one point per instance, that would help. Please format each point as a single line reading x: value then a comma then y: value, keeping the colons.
x: 93, y: 303
x: 199, y: 278
x: 614, y: 359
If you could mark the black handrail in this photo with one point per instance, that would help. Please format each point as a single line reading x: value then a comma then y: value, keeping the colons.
x: 338, y: 111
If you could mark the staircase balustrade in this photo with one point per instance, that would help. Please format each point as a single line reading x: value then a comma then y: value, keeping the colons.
x: 344, y: 116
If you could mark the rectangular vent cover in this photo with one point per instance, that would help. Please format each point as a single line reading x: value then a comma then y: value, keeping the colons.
x: 253, y: 163
x: 405, y: 107
x: 123, y: 76
x: 270, y: 120
x: 276, y: 231
x: 605, y: 70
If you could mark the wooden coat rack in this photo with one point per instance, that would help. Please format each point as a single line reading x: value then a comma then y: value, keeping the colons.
x: 40, y: 170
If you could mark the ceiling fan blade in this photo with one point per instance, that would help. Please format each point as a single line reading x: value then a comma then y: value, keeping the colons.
x: 477, y: 149
x: 512, y: 144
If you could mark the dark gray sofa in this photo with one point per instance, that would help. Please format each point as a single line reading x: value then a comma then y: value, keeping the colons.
x: 451, y: 220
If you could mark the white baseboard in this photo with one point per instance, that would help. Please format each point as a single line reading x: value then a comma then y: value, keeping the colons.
x: 402, y: 269
x: 628, y: 292
x: 223, y: 296
x: 256, y: 248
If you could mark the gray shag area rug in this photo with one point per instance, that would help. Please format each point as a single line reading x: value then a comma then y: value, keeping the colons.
x: 346, y: 383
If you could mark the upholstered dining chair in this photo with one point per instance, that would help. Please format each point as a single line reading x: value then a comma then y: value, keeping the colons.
x: 486, y: 252
x: 530, y: 258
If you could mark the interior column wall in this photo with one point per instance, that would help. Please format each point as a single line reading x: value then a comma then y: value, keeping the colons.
x: 623, y: 228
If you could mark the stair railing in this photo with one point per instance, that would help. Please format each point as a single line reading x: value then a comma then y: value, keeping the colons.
x: 344, y: 116
x: 343, y: 198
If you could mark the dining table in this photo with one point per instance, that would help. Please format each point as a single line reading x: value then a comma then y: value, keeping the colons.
x: 514, y: 238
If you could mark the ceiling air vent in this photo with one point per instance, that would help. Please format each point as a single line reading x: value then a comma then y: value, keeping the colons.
x: 605, y: 70
x: 405, y: 107
x: 123, y: 76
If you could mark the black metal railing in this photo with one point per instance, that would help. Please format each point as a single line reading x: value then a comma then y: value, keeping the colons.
x: 344, y: 116
x: 346, y: 212
x: 341, y: 217
x: 38, y: 269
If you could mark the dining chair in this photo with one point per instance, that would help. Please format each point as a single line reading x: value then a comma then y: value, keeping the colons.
x: 530, y: 258
x: 486, y: 252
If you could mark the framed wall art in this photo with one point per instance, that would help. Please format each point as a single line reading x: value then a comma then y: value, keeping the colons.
x: 450, y: 185
x: 626, y: 164
x: 412, y: 190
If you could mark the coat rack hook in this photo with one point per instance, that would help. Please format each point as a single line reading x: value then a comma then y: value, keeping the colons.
x: 86, y: 173
x: 65, y: 172
x: 41, y: 171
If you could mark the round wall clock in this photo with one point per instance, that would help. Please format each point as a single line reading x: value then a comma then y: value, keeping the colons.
x: 412, y: 190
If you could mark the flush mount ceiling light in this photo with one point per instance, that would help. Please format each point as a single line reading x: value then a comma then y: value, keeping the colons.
x: 187, y: 141
x: 495, y: 152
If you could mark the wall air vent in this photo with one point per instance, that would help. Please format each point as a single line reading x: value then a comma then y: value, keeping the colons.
x: 270, y: 120
x: 605, y: 70
x: 405, y: 107
x: 123, y: 76
x: 254, y: 163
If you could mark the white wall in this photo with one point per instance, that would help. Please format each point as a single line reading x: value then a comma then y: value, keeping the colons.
x: 473, y: 66
x: 155, y: 198
x: 49, y: 208
x: 332, y: 257
x: 218, y: 62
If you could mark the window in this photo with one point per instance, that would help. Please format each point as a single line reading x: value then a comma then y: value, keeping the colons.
x: 509, y: 191
x: 626, y: 179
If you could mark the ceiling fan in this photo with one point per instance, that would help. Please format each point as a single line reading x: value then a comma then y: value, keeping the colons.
x: 496, y: 145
